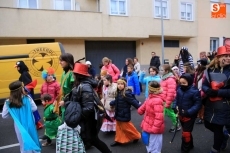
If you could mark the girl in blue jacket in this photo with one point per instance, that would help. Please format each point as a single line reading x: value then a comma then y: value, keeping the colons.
x: 153, y: 71
x: 188, y: 101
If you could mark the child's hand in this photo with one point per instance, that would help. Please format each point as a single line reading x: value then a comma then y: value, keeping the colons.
x: 61, y: 103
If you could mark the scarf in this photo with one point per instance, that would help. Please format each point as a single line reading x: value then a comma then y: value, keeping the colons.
x: 164, y: 77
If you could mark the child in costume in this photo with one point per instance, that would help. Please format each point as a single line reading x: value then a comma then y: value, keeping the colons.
x: 153, y: 71
x: 125, y: 130
x: 29, y: 86
x: 169, y: 86
x: 188, y: 101
x: 153, y: 122
x: 50, y: 86
x: 21, y: 107
x: 108, y: 94
x: 51, y: 119
x: 132, y: 80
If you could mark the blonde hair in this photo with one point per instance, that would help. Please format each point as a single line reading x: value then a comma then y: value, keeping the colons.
x: 105, y: 59
x: 214, y: 63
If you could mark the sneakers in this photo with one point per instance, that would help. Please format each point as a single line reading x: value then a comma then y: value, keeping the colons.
x: 225, y: 141
x: 172, y: 130
x: 46, y: 144
x: 200, y: 121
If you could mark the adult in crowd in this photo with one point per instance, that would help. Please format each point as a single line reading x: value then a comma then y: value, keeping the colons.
x: 216, y: 86
x: 91, y: 69
x: 176, y: 61
x: 67, y: 80
x: 85, y: 96
x: 137, y: 68
x: 128, y: 61
x: 185, y: 57
x: 155, y: 61
x: 198, y: 81
x: 111, y: 69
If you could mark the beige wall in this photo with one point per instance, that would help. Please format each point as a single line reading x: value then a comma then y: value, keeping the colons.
x: 146, y: 46
x: 210, y: 27
x: 74, y: 46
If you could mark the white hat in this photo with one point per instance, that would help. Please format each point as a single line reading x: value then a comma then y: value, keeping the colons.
x: 88, y: 63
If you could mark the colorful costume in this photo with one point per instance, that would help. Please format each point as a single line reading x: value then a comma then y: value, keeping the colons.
x: 24, y: 124
x: 51, y: 121
x: 125, y: 130
x: 109, y: 94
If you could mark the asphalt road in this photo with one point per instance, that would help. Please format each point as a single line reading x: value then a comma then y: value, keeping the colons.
x: 203, y: 138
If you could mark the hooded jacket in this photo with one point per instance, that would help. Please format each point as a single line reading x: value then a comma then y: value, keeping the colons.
x: 25, y: 77
x: 153, y: 109
x: 188, y: 99
x: 169, y: 85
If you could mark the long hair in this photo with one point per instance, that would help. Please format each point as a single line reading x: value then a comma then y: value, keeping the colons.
x: 16, y: 91
x: 69, y: 59
x: 78, y: 79
x: 189, y: 68
x: 184, y: 55
x: 214, y: 64
x: 109, y: 78
x: 200, y: 69
x: 130, y: 61
x: 125, y: 87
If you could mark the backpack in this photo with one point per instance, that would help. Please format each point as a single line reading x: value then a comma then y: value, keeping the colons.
x: 72, y: 114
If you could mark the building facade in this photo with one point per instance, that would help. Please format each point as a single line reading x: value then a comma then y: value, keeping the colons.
x: 115, y: 28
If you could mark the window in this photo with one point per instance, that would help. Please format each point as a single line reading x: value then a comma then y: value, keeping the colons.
x: 171, y: 43
x: 214, y: 0
x: 186, y: 11
x: 63, y: 5
x: 214, y: 43
x: 228, y: 5
x: 157, y: 8
x: 118, y: 7
x: 28, y: 4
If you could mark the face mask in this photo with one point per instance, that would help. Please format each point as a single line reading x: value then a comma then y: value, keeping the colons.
x: 183, y: 87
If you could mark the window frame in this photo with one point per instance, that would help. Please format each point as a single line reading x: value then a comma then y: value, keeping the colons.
x: 167, y: 10
x: 192, y: 13
x: 211, y: 43
x: 72, y: 2
x: 28, y: 5
x: 227, y: 2
x: 126, y: 8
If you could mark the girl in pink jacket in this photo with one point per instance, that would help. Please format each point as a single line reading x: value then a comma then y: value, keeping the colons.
x: 111, y: 69
x: 169, y: 86
x: 50, y: 86
x: 153, y: 122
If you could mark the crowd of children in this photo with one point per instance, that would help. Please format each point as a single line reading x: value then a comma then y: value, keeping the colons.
x: 171, y: 91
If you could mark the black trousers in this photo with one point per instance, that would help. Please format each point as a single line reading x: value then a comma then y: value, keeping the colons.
x: 218, y: 134
x: 187, y: 128
x: 48, y: 140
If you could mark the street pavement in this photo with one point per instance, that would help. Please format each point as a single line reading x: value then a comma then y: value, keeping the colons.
x: 203, y: 138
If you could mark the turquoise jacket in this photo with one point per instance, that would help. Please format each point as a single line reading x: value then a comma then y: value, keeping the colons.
x: 146, y: 80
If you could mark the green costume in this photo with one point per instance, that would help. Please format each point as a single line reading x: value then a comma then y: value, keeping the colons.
x: 52, y: 121
x: 170, y: 113
x: 66, y: 86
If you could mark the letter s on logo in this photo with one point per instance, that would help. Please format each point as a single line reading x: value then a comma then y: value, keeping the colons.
x: 215, y: 7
